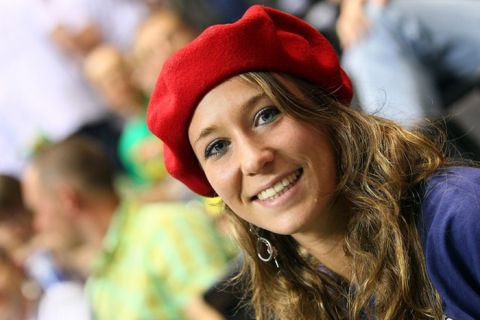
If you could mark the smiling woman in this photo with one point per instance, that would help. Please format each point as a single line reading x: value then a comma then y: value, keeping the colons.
x: 265, y: 164
x: 341, y: 214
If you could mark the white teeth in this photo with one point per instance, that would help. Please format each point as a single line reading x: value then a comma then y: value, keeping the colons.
x: 270, y: 192
x: 279, y: 187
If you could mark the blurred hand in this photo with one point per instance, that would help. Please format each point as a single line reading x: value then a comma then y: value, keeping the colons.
x: 79, y: 43
x: 352, y: 23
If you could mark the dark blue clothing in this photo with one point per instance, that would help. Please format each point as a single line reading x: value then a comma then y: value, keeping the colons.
x: 449, y: 227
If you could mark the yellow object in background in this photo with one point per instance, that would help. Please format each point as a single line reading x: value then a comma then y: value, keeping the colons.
x: 213, y: 206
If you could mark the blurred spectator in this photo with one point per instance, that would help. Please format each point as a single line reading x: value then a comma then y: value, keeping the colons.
x: 58, y: 239
x: 43, y: 94
x: 160, y: 35
x: 398, y: 52
x: 62, y: 298
x: 77, y: 26
x: 141, y: 154
x: 19, y: 300
x: 155, y: 260
x: 17, y: 232
x: 200, y: 14
x: 110, y: 75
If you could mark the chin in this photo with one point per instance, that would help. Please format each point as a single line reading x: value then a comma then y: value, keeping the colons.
x: 285, y: 230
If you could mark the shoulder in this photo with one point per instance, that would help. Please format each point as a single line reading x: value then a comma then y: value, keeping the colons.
x: 449, y: 227
x: 451, y: 205
x: 451, y: 202
x: 455, y: 191
x: 454, y: 178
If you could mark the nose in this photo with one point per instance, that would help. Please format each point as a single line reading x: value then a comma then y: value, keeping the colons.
x: 255, y: 157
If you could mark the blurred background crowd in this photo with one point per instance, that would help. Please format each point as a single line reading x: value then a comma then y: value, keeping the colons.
x: 91, y: 225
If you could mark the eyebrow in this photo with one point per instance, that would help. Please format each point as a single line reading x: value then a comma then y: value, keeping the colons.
x: 250, y: 102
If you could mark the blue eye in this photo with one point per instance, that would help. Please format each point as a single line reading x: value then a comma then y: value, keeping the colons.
x: 216, y: 148
x: 266, y: 115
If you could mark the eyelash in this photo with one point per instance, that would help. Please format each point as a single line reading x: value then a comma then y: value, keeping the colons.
x: 212, y: 145
x: 265, y: 111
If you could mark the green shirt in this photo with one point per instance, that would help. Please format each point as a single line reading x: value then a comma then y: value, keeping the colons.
x: 141, y: 153
x: 155, y: 258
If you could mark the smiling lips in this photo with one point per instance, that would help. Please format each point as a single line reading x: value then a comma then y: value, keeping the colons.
x: 280, y: 187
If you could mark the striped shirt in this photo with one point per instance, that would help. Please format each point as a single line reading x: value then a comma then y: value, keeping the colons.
x: 155, y: 258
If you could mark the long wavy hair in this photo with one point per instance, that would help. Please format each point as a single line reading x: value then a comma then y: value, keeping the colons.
x: 380, y: 168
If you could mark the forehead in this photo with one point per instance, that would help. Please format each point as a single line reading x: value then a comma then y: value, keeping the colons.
x: 156, y: 29
x: 222, y: 102
x: 235, y: 90
x: 31, y: 186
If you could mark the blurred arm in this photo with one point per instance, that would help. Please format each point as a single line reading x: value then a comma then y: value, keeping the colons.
x: 352, y: 23
x: 80, y: 42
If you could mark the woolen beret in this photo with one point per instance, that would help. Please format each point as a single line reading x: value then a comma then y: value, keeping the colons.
x: 264, y: 39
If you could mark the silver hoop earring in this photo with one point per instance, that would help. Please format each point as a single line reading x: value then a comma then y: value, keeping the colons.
x: 265, y: 250
x: 271, y: 252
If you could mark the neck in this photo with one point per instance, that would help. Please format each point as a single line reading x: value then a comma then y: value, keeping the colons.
x: 325, y: 241
x: 329, y: 252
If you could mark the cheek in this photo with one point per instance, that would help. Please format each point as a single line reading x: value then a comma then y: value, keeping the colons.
x: 46, y: 217
x: 326, y: 180
x: 225, y: 181
x: 40, y: 222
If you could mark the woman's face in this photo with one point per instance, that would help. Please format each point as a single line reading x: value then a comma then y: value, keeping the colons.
x: 272, y: 170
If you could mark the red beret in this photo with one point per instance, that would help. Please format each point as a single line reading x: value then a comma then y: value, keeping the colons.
x: 264, y: 39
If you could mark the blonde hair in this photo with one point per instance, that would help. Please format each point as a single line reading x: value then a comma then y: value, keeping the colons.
x: 381, y: 167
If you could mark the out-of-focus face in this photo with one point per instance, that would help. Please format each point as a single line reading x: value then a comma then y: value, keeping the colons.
x: 154, y: 43
x: 16, y: 232
x: 272, y: 170
x: 111, y: 78
x: 49, y: 215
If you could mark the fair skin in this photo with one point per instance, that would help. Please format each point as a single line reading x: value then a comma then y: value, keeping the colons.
x: 110, y: 76
x: 12, y: 303
x: 109, y: 73
x: 352, y: 23
x: 64, y: 207
x: 64, y: 217
x: 49, y: 216
x: 156, y: 40
x: 78, y: 43
x: 247, y: 146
